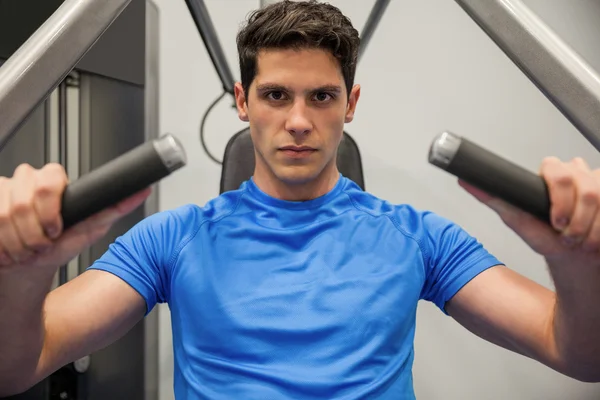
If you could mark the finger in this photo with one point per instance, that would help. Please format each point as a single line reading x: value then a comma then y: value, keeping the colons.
x: 50, y: 185
x: 592, y: 242
x: 23, y: 212
x: 586, y: 206
x: 4, y: 218
x: 561, y: 188
x: 9, y: 237
x: 596, y: 174
x: 93, y: 228
x: 581, y: 164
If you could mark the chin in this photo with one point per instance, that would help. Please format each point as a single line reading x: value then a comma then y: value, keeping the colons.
x: 297, y: 175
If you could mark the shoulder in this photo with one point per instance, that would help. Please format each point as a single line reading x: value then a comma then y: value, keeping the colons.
x: 187, y: 219
x: 194, y: 215
x: 408, y: 219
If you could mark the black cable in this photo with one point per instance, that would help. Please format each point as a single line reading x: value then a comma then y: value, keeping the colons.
x: 212, y: 105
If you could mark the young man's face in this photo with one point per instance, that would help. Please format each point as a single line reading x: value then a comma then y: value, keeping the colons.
x: 297, y: 106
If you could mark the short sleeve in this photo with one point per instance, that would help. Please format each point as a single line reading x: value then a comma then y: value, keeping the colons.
x: 143, y: 256
x: 452, y: 259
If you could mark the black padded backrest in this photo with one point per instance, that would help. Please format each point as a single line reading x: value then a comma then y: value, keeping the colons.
x: 238, y: 161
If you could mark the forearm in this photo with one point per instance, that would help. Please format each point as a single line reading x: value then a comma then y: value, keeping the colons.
x: 577, y: 316
x: 22, y: 296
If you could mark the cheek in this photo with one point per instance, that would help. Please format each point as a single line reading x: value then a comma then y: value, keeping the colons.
x: 257, y: 120
x: 263, y: 126
x: 262, y: 116
x: 336, y: 126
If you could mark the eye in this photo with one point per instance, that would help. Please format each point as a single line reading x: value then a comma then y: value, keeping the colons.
x: 323, y: 97
x: 275, y: 95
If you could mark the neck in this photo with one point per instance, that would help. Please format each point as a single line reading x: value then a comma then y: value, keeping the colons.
x: 300, y: 191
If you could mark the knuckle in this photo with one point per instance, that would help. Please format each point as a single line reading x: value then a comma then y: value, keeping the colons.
x: 547, y: 165
x: 36, y: 242
x: 46, y: 189
x: 562, y: 179
x: 4, y: 217
x: 580, y: 163
x: 54, y: 169
x: 21, y: 207
x: 23, y: 169
x: 550, y: 160
x: 590, y: 196
x: 51, y: 166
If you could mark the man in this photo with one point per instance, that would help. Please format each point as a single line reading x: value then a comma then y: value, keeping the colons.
x: 298, y: 285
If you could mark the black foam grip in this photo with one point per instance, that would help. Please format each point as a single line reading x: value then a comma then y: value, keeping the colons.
x: 501, y: 178
x: 112, y: 182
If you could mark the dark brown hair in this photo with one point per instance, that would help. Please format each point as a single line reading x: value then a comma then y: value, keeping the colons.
x: 298, y: 24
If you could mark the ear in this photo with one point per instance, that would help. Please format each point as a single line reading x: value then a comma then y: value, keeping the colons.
x: 352, y: 100
x: 240, y: 102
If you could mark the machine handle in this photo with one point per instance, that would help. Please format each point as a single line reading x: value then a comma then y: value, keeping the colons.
x: 120, y: 178
x: 491, y: 173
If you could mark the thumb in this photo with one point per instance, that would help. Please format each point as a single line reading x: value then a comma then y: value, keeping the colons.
x: 85, y: 233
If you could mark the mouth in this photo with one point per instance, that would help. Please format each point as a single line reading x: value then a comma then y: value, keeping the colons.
x: 297, y: 151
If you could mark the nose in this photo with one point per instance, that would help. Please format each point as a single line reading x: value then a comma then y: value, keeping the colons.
x: 298, y: 122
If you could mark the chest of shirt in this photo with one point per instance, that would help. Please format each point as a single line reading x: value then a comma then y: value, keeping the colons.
x: 302, y: 285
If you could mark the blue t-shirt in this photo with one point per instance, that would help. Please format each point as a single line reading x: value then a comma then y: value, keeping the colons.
x: 273, y: 299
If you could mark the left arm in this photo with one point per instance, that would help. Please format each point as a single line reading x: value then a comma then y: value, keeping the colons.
x: 514, y: 312
x: 560, y: 329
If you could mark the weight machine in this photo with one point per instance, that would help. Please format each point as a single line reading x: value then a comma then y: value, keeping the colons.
x: 46, y: 59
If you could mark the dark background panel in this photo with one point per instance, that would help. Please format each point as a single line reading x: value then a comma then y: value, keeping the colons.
x: 119, y: 53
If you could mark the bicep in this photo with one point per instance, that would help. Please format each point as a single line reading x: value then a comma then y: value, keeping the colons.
x: 85, y: 315
x: 509, y: 310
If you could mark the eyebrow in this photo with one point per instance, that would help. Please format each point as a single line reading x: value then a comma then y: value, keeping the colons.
x: 267, y: 87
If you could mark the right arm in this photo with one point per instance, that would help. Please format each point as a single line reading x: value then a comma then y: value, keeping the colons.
x: 39, y: 336
x: 41, y: 331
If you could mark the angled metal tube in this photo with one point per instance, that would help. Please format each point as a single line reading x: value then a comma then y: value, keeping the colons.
x: 210, y: 38
x: 370, y: 26
x: 372, y: 22
x: 562, y: 75
x: 44, y: 60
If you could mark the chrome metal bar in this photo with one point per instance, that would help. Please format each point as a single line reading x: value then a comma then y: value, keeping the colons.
x: 562, y: 75
x: 152, y: 204
x: 44, y: 60
x: 370, y: 26
x: 210, y: 38
x: 372, y: 22
x: 62, y: 151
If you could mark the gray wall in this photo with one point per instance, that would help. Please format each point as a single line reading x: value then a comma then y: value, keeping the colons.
x: 428, y: 68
